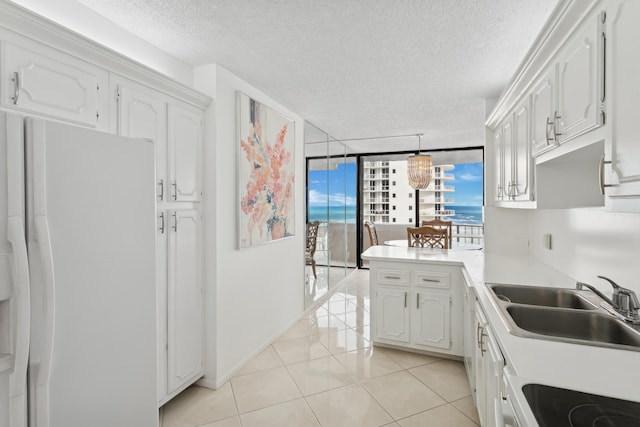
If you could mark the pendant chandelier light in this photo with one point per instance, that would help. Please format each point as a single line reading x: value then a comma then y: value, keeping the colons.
x: 419, y: 168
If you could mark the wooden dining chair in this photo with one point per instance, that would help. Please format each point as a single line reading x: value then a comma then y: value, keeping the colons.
x: 312, y: 240
x: 373, y: 234
x: 438, y: 223
x: 426, y: 236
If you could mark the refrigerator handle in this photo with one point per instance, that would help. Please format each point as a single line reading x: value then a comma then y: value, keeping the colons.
x: 43, y: 240
x: 21, y: 307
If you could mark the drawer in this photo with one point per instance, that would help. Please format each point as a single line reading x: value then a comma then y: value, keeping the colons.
x: 392, y: 277
x: 431, y: 279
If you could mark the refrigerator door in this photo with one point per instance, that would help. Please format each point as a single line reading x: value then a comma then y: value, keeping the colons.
x: 91, y: 239
x: 16, y: 313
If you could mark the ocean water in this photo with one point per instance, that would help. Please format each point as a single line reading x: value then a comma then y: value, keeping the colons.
x: 465, y: 215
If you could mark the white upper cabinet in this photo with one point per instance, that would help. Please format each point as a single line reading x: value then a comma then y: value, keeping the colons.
x: 498, y: 165
x: 507, y: 157
x: 623, y: 97
x: 521, y: 170
x: 580, y: 81
x: 142, y: 113
x: 542, y: 112
x: 58, y: 86
x: 185, y: 148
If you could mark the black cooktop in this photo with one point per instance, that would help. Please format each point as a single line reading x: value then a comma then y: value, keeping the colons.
x: 558, y: 407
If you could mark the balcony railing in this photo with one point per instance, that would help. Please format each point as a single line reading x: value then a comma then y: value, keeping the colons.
x: 440, y: 200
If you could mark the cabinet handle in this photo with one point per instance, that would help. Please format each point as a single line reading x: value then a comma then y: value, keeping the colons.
x: 16, y: 87
x: 392, y: 277
x: 479, y: 335
x: 405, y: 300
x: 418, y: 300
x: 175, y: 190
x: 547, y: 130
x: 424, y: 279
x: 601, y: 174
x: 161, y: 194
x: 175, y: 222
x: 161, y: 228
x: 556, y: 134
x: 499, y: 192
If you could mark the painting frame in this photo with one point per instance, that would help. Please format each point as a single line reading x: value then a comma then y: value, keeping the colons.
x: 266, y: 166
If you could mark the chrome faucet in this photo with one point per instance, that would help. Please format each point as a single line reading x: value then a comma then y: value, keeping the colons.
x: 624, y: 301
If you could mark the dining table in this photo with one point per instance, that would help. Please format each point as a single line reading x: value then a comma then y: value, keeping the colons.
x: 456, y: 245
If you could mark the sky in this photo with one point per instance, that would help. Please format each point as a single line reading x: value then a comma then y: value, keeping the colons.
x: 467, y: 183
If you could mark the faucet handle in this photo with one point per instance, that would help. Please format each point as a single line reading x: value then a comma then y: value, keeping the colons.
x: 616, y: 287
x: 625, y: 299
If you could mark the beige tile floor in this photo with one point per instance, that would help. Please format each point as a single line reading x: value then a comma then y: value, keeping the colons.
x: 324, y: 372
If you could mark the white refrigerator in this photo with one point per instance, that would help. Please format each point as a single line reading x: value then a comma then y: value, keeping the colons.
x: 77, y: 271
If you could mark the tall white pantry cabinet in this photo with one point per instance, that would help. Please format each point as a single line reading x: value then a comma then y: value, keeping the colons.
x: 51, y: 73
x: 177, y: 131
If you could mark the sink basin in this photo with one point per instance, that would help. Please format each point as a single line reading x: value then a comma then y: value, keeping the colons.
x: 580, y: 325
x: 556, y: 407
x: 543, y: 296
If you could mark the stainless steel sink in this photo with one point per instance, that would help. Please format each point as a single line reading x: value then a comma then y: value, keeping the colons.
x: 560, y: 314
x: 574, y: 324
x: 543, y: 296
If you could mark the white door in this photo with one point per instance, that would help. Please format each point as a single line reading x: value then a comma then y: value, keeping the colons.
x: 623, y: 93
x: 498, y: 164
x: 543, y: 106
x: 185, y: 153
x: 480, y: 364
x: 143, y: 114
x: 507, y: 157
x: 392, y: 313
x: 65, y: 88
x: 579, y: 82
x: 522, y: 152
x: 185, y: 322
x: 162, y: 226
x: 431, y: 320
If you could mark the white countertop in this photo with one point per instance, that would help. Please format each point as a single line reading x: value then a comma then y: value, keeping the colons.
x: 591, y: 369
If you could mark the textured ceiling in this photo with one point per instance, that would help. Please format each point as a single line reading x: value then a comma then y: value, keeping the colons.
x: 354, y: 68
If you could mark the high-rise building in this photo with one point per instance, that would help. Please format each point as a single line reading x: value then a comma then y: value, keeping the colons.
x: 388, y: 197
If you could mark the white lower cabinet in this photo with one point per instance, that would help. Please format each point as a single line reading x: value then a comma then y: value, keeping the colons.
x: 488, y: 366
x: 431, y: 319
x: 392, y: 321
x: 180, y: 313
x: 417, y: 306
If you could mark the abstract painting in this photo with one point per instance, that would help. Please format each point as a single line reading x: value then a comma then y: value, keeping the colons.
x: 266, y: 173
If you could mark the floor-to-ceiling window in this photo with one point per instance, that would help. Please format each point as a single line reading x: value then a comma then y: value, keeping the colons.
x: 455, y: 194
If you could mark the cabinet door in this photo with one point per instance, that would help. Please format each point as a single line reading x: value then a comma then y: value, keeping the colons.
x: 498, y: 164
x: 392, y: 313
x: 185, y: 321
x: 431, y: 321
x: 185, y: 153
x: 507, y: 157
x: 161, y: 292
x: 522, y: 152
x: 543, y: 105
x: 142, y: 113
x: 579, y: 82
x: 62, y: 87
x: 624, y: 98
x: 480, y: 364
x: 493, y: 365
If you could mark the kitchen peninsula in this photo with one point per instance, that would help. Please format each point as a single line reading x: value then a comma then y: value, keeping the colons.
x: 498, y: 363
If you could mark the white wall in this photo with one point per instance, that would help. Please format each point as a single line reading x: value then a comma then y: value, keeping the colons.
x: 84, y: 21
x: 253, y: 294
x: 590, y: 242
x: 586, y: 242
